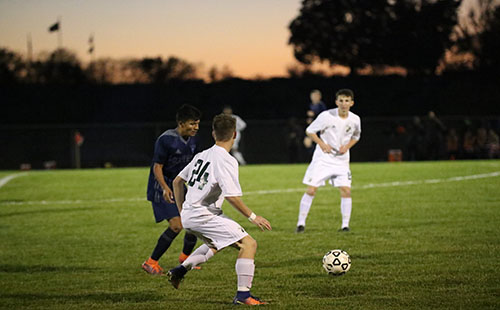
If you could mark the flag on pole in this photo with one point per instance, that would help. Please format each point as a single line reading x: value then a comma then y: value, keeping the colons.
x: 54, y: 27
x: 91, y: 44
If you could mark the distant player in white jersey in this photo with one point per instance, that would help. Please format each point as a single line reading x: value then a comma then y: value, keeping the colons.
x: 240, y: 126
x: 212, y: 176
x: 339, y: 130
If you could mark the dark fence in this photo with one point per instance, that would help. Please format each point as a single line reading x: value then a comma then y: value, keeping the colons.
x: 264, y: 141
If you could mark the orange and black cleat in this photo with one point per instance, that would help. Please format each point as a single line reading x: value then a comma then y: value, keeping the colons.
x: 151, y: 266
x: 250, y: 301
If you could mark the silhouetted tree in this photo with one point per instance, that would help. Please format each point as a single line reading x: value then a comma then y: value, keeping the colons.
x: 11, y: 66
x: 159, y: 71
x: 357, y: 33
x: 479, y: 34
x: 215, y: 74
x: 61, y: 67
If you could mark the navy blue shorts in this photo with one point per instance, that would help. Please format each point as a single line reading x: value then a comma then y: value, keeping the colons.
x: 164, y: 210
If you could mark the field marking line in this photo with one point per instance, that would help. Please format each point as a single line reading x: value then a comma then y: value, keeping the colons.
x: 6, y: 179
x: 265, y: 192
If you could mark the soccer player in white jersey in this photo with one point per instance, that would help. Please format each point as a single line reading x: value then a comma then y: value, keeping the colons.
x: 211, y: 177
x: 339, y: 130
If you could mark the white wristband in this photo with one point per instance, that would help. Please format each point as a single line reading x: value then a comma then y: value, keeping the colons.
x: 252, y: 217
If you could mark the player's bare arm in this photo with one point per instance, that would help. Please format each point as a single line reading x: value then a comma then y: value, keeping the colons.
x: 346, y: 147
x: 178, y: 185
x: 239, y: 205
x: 324, y: 147
x: 167, y: 192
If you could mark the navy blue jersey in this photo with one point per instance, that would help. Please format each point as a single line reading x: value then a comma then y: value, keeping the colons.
x: 174, y: 153
x: 317, y: 108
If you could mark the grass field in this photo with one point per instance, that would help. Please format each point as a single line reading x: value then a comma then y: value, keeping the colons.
x: 424, y: 236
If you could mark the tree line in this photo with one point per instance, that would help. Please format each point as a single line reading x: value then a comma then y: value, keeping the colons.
x: 423, y: 37
x: 414, y: 34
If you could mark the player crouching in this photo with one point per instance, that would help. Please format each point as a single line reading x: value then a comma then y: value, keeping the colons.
x: 212, y: 176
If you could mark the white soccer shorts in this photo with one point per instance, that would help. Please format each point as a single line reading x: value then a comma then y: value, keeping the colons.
x: 318, y: 172
x: 217, y: 231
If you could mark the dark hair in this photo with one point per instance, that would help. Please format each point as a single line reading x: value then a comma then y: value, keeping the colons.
x: 187, y: 112
x: 224, y: 127
x: 345, y: 92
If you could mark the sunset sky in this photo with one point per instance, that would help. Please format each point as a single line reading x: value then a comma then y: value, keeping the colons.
x: 250, y: 37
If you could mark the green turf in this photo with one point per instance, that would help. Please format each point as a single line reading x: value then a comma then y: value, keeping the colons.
x: 75, y: 240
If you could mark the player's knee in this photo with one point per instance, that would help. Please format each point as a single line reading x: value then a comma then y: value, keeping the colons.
x: 311, y: 191
x: 345, y: 192
x: 176, y: 228
x: 175, y: 225
x: 249, y: 243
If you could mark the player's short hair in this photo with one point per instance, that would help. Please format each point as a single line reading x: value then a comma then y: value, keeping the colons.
x: 315, y: 91
x: 187, y: 112
x: 224, y: 127
x: 345, y: 92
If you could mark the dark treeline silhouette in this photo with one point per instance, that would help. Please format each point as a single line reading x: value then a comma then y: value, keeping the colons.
x: 453, y: 94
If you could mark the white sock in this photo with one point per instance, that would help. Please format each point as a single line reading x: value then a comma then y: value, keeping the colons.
x: 305, y: 205
x: 345, y: 210
x: 239, y: 157
x: 245, y: 269
x: 199, y: 256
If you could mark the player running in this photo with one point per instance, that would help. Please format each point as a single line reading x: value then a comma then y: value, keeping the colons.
x: 212, y: 176
x: 340, y: 130
x: 174, y: 149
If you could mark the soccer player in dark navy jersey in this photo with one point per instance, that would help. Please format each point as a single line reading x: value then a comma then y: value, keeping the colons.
x: 174, y: 149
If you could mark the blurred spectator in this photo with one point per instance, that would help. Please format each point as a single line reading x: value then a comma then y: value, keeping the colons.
x: 452, y: 144
x: 433, y: 139
x: 294, y: 136
x: 416, y: 149
x: 481, y: 144
x: 315, y: 108
x: 469, y: 145
x: 493, y: 144
x: 240, y: 126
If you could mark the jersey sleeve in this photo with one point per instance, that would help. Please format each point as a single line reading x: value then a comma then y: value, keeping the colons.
x: 227, y: 177
x: 240, y: 123
x: 161, y: 151
x: 318, y: 124
x: 356, y: 135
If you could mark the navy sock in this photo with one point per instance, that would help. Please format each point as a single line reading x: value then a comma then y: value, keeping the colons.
x: 242, y: 295
x: 163, y: 243
x: 189, y: 243
x: 179, y: 271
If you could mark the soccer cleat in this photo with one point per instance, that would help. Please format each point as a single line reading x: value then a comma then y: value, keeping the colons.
x: 344, y: 229
x: 250, y: 301
x: 151, y: 266
x: 300, y: 229
x: 175, y: 275
x: 182, y: 257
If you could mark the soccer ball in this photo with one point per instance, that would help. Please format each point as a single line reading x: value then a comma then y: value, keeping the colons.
x: 336, y: 262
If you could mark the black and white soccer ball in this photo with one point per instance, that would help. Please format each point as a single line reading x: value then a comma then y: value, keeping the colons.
x: 336, y: 262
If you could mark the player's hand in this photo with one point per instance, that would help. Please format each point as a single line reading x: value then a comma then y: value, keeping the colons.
x: 326, y: 148
x: 262, y: 223
x: 343, y: 149
x: 168, y: 195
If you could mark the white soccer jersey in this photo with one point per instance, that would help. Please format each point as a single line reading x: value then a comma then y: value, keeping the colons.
x: 211, y: 176
x: 335, y: 131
